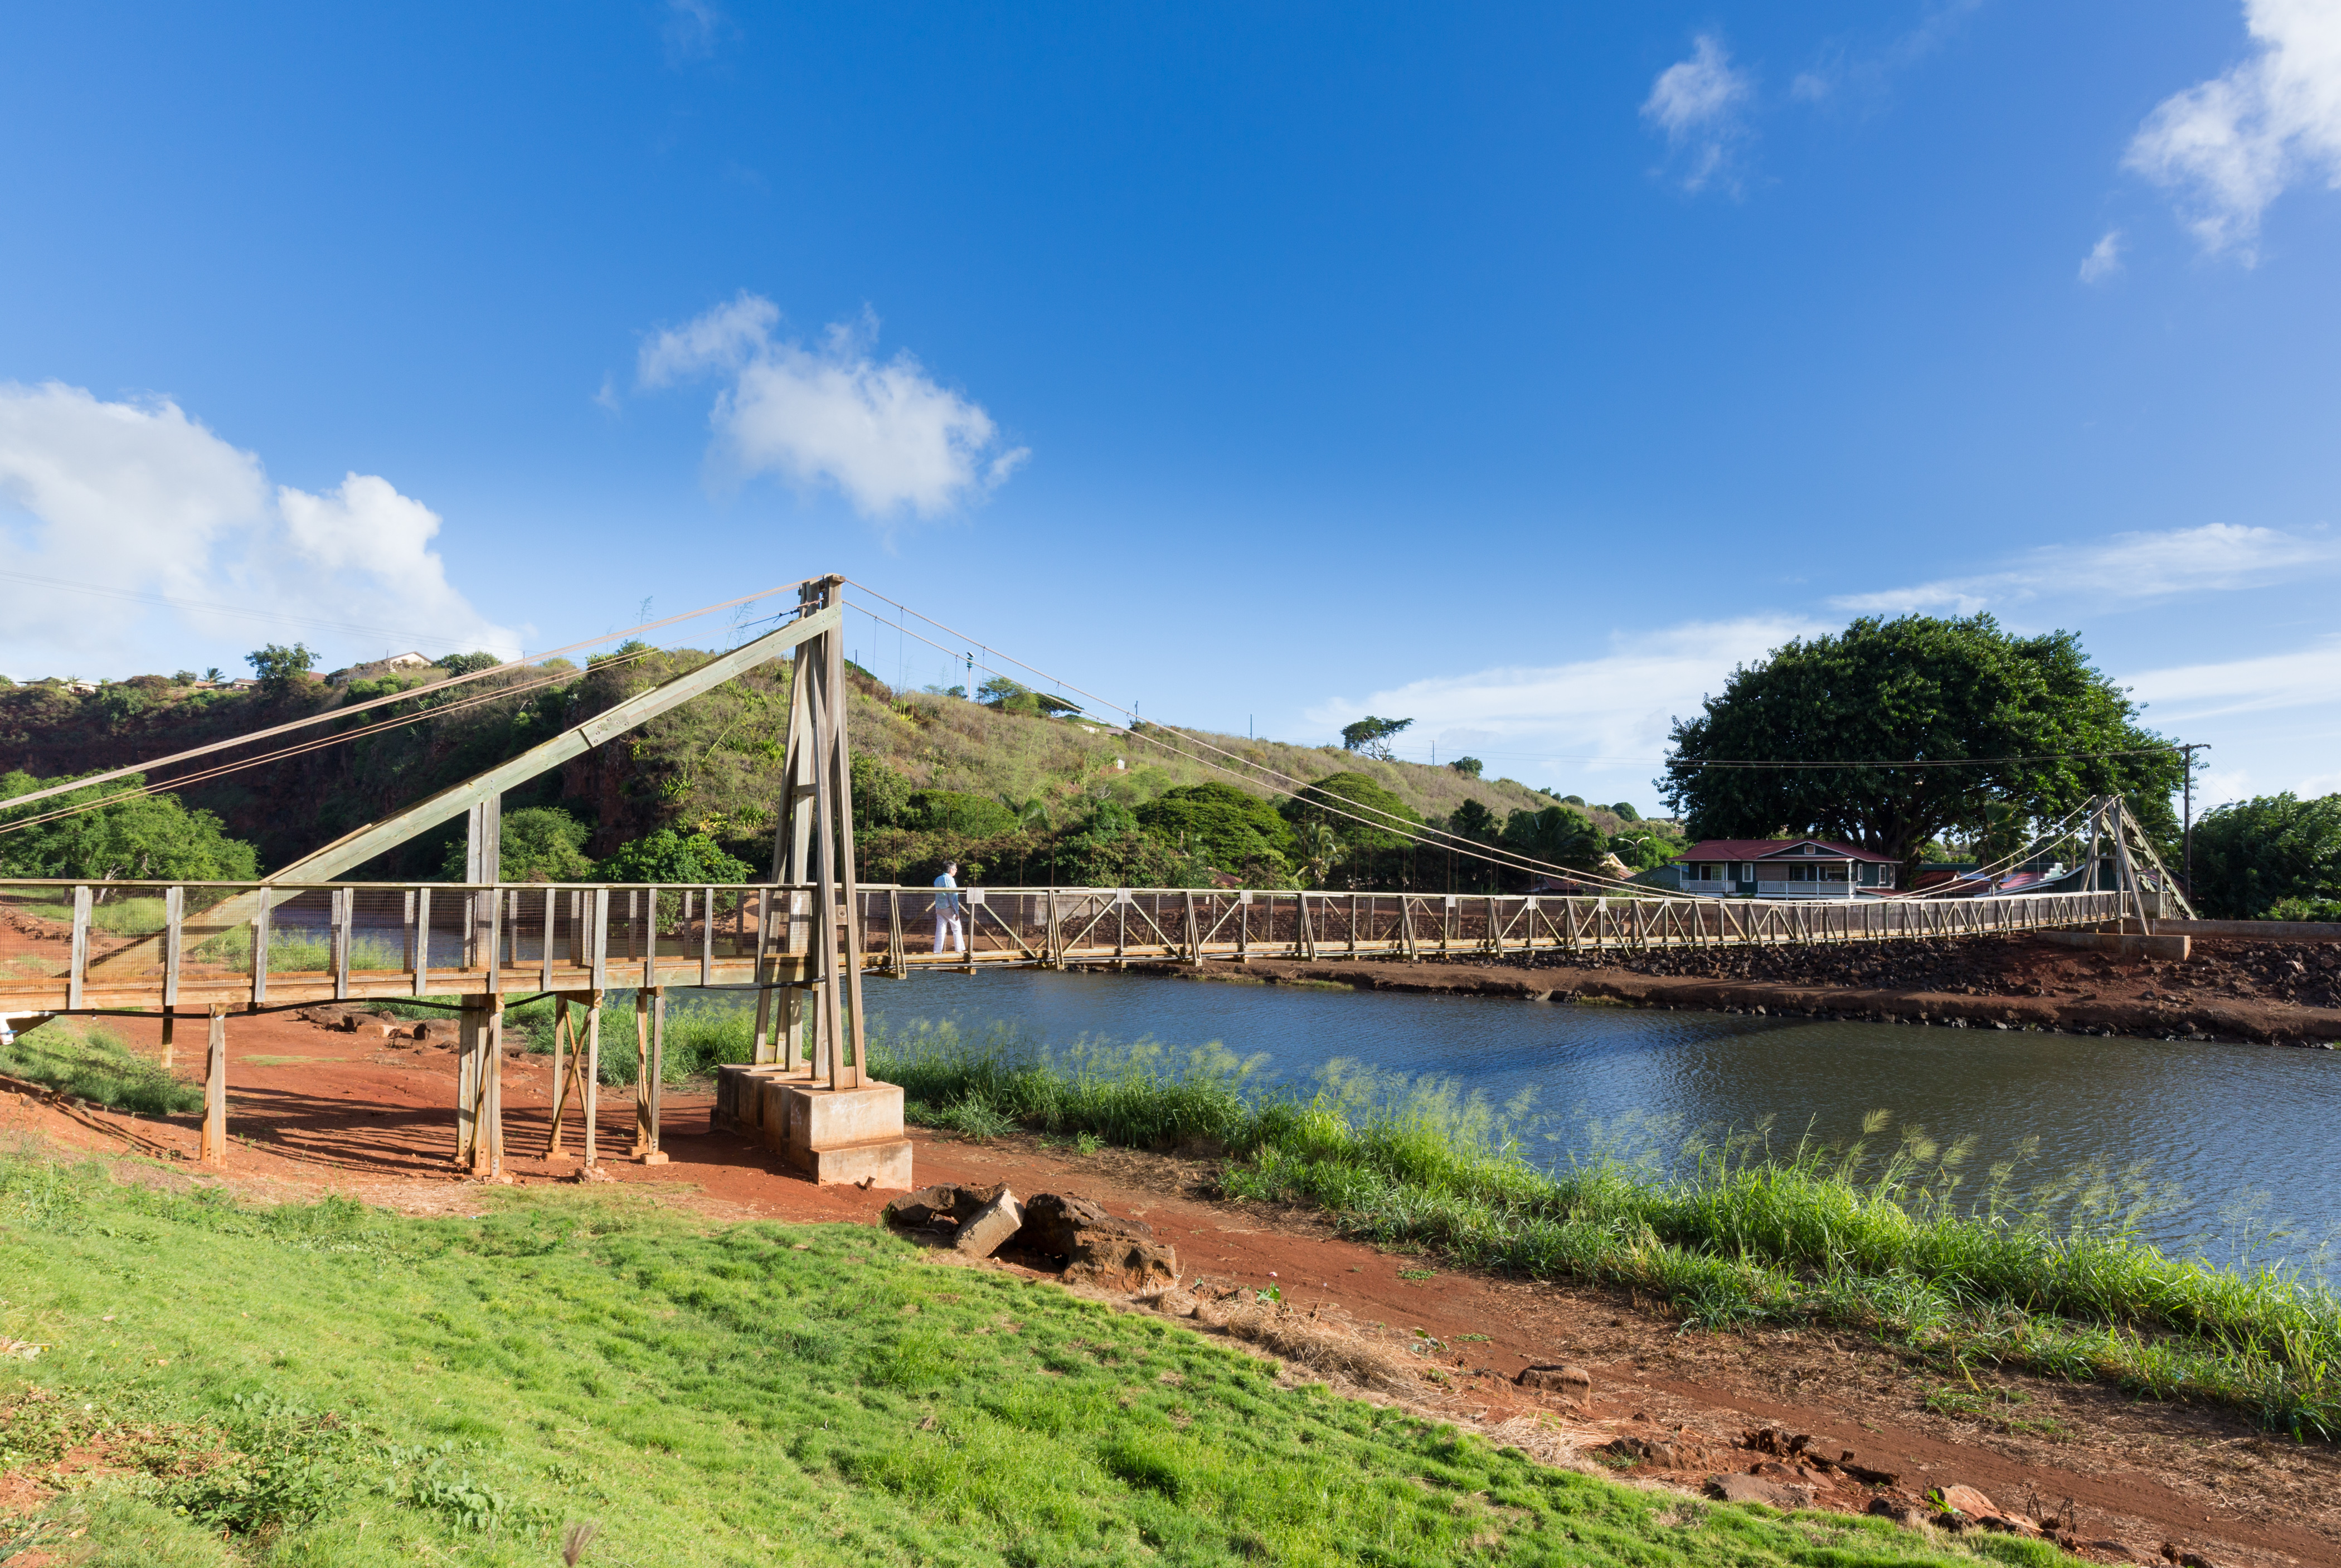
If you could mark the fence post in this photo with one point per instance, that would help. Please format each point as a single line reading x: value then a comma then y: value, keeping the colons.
x: 174, y: 915
x: 344, y: 909
x: 78, y: 962
x: 260, y: 925
x: 212, y: 1149
x: 421, y: 940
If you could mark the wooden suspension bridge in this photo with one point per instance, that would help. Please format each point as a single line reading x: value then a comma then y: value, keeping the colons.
x: 804, y: 939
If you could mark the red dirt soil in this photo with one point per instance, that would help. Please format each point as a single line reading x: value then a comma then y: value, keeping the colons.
x: 313, y: 1111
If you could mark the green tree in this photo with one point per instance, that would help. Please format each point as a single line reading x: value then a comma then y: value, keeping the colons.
x: 882, y: 797
x: 1371, y: 735
x: 1230, y: 827
x: 957, y: 812
x: 1361, y: 816
x: 1557, y: 836
x: 1624, y: 812
x: 2253, y: 854
x: 281, y: 670
x: 2029, y: 720
x: 667, y: 855
x: 1318, y: 848
x: 1469, y: 767
x: 467, y: 663
x: 1474, y: 821
x: 533, y: 844
x: 141, y: 838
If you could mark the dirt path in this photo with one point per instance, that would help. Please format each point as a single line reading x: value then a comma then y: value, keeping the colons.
x: 313, y: 1111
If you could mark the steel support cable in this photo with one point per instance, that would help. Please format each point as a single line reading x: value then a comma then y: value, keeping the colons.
x: 158, y: 787
x: 343, y: 713
x: 1915, y: 895
x: 1400, y: 826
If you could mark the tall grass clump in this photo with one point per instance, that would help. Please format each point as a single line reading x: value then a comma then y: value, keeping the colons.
x: 1886, y: 1235
x: 91, y: 1062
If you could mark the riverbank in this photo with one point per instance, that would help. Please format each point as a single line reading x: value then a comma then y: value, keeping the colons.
x: 2262, y: 993
x: 316, y: 1113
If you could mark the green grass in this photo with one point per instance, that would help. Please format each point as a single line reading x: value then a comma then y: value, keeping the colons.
x: 1893, y: 1242
x: 90, y: 1062
x: 329, y: 1386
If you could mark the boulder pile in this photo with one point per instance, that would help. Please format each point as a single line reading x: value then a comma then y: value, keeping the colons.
x: 1061, y: 1230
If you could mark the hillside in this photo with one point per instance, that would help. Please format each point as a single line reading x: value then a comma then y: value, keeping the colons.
x: 710, y: 767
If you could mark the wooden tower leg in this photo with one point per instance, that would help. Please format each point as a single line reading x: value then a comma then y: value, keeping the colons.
x: 564, y: 1067
x: 649, y: 1059
x: 212, y: 1150
x: 593, y: 1074
x: 491, y: 1097
x: 168, y: 1054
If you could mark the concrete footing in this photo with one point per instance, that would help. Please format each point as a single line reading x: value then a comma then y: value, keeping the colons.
x: 2127, y: 944
x: 836, y: 1136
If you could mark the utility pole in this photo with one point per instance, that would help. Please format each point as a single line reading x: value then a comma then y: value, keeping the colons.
x: 2187, y: 836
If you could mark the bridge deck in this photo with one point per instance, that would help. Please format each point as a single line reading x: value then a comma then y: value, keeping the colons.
x: 94, y: 946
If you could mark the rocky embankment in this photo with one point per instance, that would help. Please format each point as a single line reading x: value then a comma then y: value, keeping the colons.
x: 2276, y: 993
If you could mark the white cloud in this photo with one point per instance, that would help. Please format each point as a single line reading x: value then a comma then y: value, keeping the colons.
x: 137, y: 501
x: 886, y: 435
x: 1618, y: 706
x: 2104, y: 259
x: 692, y: 28
x: 1697, y: 103
x: 2232, y: 145
x: 1870, y: 74
x: 2304, y: 677
x: 2128, y: 567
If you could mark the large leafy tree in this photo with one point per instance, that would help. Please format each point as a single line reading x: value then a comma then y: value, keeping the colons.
x: 533, y: 844
x: 144, y: 838
x: 667, y: 855
x: 1360, y: 813
x: 2033, y: 724
x: 1373, y: 735
x: 2257, y: 853
x: 1233, y: 828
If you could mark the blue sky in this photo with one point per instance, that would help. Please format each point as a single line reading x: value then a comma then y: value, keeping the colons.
x: 1515, y: 369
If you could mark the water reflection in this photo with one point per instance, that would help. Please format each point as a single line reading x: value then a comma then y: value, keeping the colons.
x: 2243, y: 1133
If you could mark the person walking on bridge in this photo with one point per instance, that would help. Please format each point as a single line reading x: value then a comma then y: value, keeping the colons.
x: 947, y: 911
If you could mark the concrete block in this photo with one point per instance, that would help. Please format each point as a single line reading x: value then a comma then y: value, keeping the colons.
x: 881, y: 1162
x: 739, y: 1098
x: 2125, y: 945
x: 821, y: 1117
x: 993, y: 1224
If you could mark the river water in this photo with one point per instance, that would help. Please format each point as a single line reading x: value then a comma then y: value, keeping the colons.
x: 2234, y: 1141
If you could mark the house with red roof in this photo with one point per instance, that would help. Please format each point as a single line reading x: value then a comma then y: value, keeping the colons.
x: 1781, y: 868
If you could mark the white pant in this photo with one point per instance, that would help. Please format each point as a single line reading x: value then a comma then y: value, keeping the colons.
x: 950, y: 923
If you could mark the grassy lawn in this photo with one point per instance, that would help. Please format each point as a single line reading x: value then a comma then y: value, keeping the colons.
x: 329, y: 1384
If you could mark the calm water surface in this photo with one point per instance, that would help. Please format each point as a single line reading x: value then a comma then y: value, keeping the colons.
x: 2244, y: 1135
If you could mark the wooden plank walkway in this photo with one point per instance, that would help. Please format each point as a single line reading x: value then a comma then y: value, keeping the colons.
x: 92, y: 947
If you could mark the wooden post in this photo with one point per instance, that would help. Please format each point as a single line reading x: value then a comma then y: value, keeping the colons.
x: 79, y: 958
x: 707, y: 936
x: 564, y: 1067
x: 600, y: 948
x: 491, y: 1097
x: 552, y: 913
x: 650, y: 1056
x: 593, y: 1074
x: 260, y: 921
x: 763, y: 1050
x: 345, y: 900
x: 422, y: 942
x: 174, y: 915
x: 213, y: 1148
x: 470, y: 1032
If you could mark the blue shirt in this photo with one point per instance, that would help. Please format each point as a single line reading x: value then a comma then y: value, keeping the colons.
x: 946, y: 904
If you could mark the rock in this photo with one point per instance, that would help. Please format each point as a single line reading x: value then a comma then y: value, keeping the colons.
x: 1129, y: 1263
x: 1570, y: 1381
x: 988, y: 1230
x: 1757, y: 1489
x: 1176, y: 1302
x: 591, y: 1174
x: 1658, y: 1455
x: 1900, y: 1510
x: 1055, y: 1223
x: 944, y: 1200
x: 1975, y: 1508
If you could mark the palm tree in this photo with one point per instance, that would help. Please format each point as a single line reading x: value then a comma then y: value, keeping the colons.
x: 1317, y: 849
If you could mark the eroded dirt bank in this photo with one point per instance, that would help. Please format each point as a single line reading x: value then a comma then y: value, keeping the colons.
x: 2269, y: 992
x: 314, y: 1111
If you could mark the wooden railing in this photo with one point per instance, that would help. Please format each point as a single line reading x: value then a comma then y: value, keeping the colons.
x: 83, y: 946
